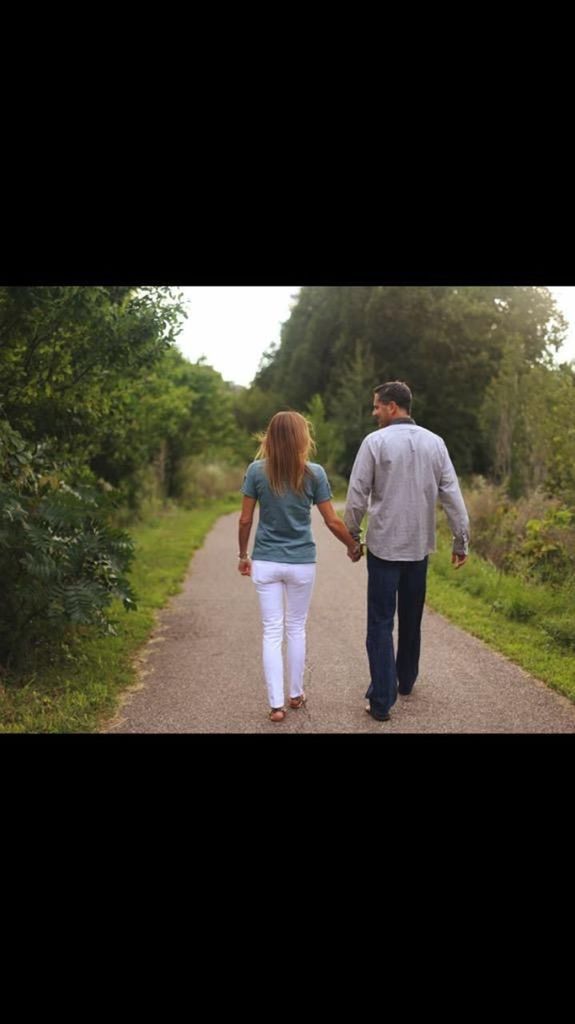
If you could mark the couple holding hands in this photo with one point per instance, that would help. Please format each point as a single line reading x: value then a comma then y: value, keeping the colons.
x: 399, y: 473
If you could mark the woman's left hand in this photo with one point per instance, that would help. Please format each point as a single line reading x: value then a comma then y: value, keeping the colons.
x: 245, y: 566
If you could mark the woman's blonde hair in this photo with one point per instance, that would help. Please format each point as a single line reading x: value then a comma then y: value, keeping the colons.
x: 286, y: 447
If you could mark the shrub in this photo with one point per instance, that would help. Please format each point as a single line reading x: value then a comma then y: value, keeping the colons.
x: 61, y: 562
x: 197, y: 480
x: 533, y: 537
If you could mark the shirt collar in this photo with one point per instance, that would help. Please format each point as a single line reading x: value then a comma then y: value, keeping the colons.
x: 403, y: 419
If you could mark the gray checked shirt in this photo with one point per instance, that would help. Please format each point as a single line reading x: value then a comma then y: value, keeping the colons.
x: 399, y: 473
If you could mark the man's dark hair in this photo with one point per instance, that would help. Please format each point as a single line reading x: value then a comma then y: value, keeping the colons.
x: 394, y: 391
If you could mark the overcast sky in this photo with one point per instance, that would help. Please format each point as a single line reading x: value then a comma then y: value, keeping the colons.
x: 233, y: 326
x: 565, y: 298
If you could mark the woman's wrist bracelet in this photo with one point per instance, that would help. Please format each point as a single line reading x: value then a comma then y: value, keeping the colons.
x: 243, y: 558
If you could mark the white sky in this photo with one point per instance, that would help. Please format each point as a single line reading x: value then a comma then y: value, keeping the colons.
x: 233, y: 326
x: 565, y: 298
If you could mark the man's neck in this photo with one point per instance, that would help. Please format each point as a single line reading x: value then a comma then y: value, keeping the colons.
x: 406, y: 418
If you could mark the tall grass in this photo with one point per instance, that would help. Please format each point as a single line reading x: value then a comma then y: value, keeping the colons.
x: 533, y: 537
x: 532, y: 623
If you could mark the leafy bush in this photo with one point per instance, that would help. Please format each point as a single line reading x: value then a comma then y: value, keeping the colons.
x: 533, y: 537
x: 198, y: 480
x: 547, y: 548
x: 60, y: 561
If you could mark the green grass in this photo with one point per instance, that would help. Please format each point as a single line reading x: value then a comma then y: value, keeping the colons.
x: 532, y: 624
x: 82, y: 690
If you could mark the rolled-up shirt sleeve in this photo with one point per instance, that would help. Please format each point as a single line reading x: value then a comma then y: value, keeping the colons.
x: 359, y: 488
x: 451, y: 499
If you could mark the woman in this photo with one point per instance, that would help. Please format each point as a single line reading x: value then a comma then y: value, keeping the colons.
x: 284, y: 555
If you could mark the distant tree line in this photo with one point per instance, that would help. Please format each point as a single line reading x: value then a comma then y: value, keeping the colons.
x: 478, y: 360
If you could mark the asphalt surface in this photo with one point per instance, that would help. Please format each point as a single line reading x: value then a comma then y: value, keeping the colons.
x: 201, y: 670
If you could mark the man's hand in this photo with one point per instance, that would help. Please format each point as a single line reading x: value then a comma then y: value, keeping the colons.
x: 354, y: 552
x: 458, y: 560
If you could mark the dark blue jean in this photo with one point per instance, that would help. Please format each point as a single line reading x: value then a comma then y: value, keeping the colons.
x: 391, y: 583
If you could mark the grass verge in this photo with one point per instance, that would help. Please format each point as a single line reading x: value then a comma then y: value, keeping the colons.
x: 532, y: 624
x: 82, y: 689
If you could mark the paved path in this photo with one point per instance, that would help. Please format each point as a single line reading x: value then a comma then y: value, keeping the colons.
x: 201, y: 670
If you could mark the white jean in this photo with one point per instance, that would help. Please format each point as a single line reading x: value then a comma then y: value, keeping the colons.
x: 274, y: 582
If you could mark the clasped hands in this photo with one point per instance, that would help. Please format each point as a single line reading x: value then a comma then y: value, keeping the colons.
x: 355, y: 552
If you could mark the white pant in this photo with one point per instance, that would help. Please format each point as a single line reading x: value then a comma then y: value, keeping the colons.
x: 273, y: 582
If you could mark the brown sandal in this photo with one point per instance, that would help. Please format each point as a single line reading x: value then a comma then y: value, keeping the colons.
x: 297, y: 702
x: 277, y: 714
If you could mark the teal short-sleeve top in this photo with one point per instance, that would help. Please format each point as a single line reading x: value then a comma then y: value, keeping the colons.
x: 284, y: 528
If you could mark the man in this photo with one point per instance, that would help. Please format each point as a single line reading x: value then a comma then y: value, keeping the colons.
x: 399, y: 473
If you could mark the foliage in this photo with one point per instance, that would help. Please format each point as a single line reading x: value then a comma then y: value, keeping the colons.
x: 199, y: 480
x: 176, y: 410
x: 78, y: 688
x: 351, y: 403
x: 532, y: 623
x: 528, y: 419
x: 63, y: 562
x: 533, y: 537
x: 93, y: 371
x: 325, y: 434
x: 448, y: 343
x: 67, y: 352
x: 253, y: 408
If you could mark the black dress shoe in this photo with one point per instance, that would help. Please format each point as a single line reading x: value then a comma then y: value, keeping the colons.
x: 377, y: 715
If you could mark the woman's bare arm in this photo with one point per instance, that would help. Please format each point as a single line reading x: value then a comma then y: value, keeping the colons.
x: 245, y: 526
x: 339, y: 530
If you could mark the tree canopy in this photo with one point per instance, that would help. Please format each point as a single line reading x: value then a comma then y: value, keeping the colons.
x: 450, y: 344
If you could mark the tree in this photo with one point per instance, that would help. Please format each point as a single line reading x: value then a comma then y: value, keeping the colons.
x: 301, y: 365
x: 66, y: 351
x: 447, y: 343
x: 351, y: 403
x: 63, y: 561
x: 325, y: 434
